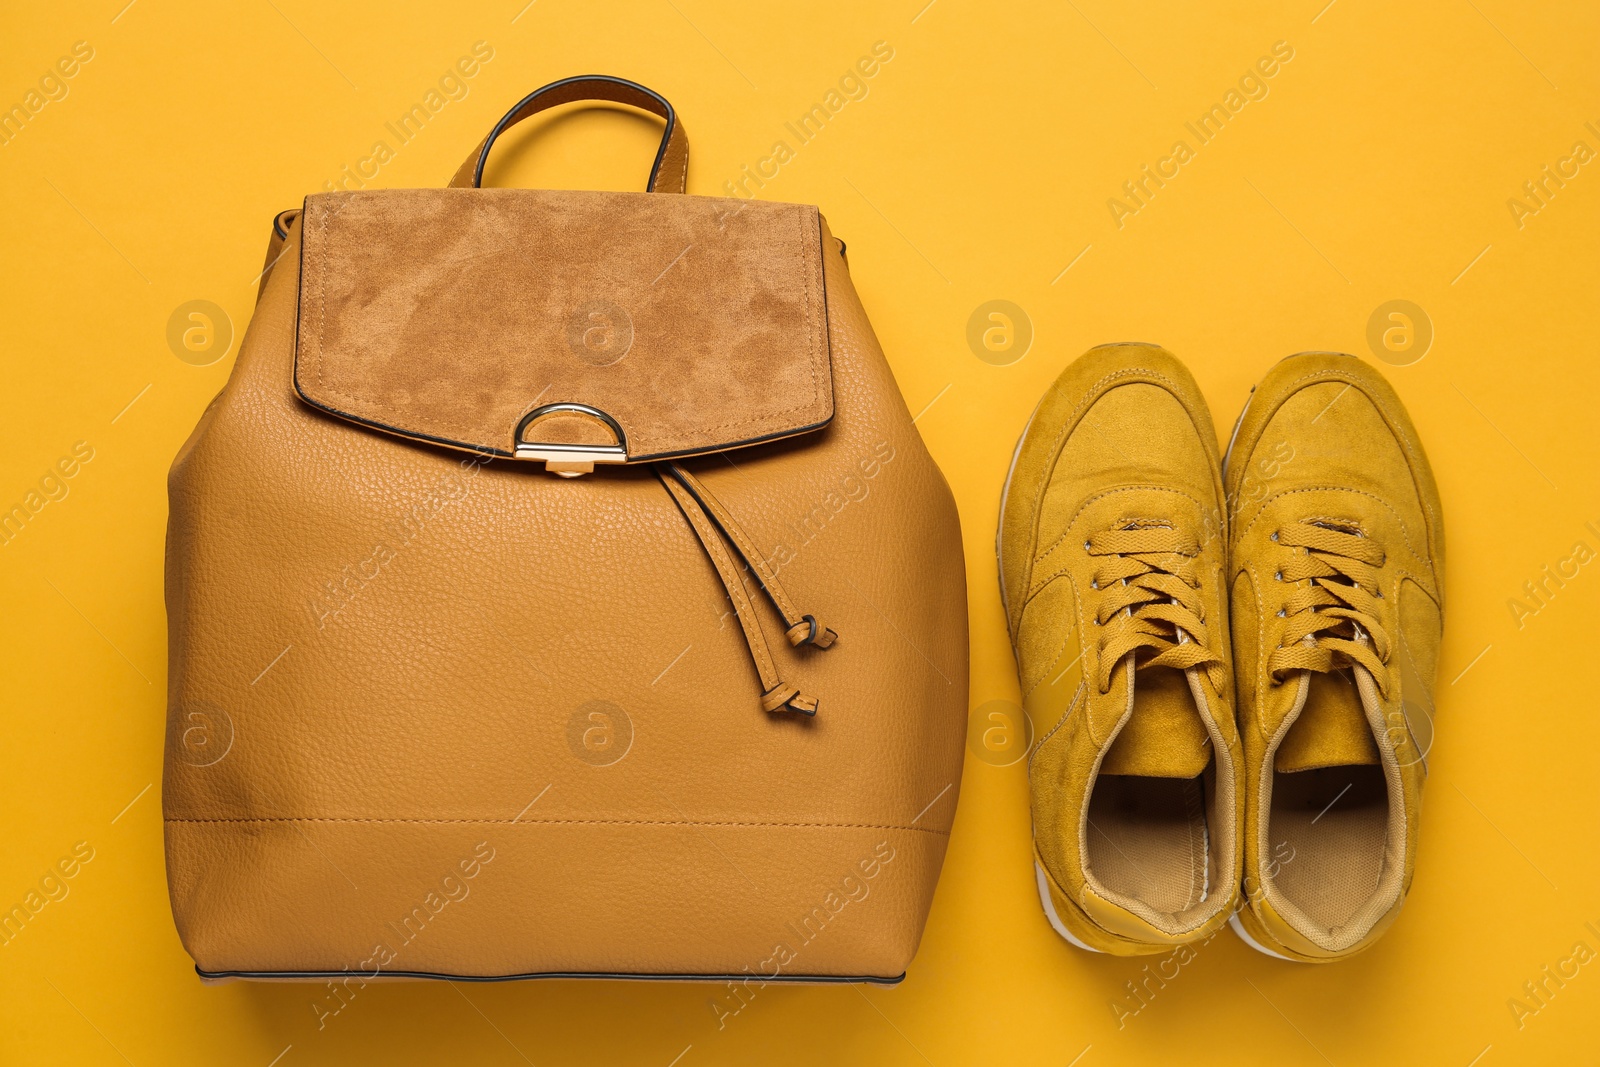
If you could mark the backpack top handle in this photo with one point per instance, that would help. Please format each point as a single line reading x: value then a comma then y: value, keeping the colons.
x: 669, y: 173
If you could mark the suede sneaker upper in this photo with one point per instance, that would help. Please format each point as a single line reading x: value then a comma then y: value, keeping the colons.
x: 1336, y: 570
x: 1111, y: 557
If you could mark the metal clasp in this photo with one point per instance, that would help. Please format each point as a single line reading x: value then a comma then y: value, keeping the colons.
x: 570, y: 461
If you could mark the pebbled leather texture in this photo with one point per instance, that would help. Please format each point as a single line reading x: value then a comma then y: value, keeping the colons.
x: 697, y: 323
x: 441, y: 713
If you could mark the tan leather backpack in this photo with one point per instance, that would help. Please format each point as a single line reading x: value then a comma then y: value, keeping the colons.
x: 473, y: 569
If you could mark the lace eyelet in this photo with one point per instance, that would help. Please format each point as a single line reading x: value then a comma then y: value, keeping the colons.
x: 1086, y: 546
x: 1274, y: 535
x: 1278, y: 576
x: 1282, y: 613
x: 1095, y: 584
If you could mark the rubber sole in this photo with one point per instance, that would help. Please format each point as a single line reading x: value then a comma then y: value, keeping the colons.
x: 1005, y: 495
x: 1040, y: 878
x: 1244, y: 935
x: 1050, y: 912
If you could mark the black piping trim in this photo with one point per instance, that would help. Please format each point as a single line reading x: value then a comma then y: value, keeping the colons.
x: 507, y: 122
x: 827, y: 317
x: 500, y: 453
x: 279, y: 226
x: 826, y: 979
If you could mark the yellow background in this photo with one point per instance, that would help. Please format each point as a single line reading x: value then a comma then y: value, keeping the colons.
x: 977, y: 167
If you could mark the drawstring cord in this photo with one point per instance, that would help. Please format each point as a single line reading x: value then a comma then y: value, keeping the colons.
x: 710, y: 521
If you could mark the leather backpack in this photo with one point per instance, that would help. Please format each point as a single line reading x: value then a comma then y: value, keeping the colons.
x: 559, y: 587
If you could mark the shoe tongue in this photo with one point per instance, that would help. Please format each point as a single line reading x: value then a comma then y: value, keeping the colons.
x: 1164, y: 737
x: 1332, y: 729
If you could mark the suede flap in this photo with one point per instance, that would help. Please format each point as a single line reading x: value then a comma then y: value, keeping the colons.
x: 682, y: 324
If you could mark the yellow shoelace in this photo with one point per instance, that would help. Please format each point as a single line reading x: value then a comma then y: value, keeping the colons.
x: 1332, y: 617
x: 1151, y: 601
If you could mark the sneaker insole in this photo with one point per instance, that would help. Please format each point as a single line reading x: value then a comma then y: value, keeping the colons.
x: 1147, y: 839
x: 1334, y: 824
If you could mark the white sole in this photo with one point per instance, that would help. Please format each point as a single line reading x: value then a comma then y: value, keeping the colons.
x: 1050, y: 912
x: 1244, y: 935
x: 1005, y: 495
x: 1040, y: 879
x: 1233, y: 437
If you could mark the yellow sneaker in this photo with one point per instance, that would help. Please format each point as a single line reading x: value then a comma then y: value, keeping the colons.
x: 1111, y: 569
x: 1336, y: 561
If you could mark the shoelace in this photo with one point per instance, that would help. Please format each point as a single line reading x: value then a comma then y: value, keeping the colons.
x: 1151, y: 601
x: 711, y: 521
x: 1332, y: 618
